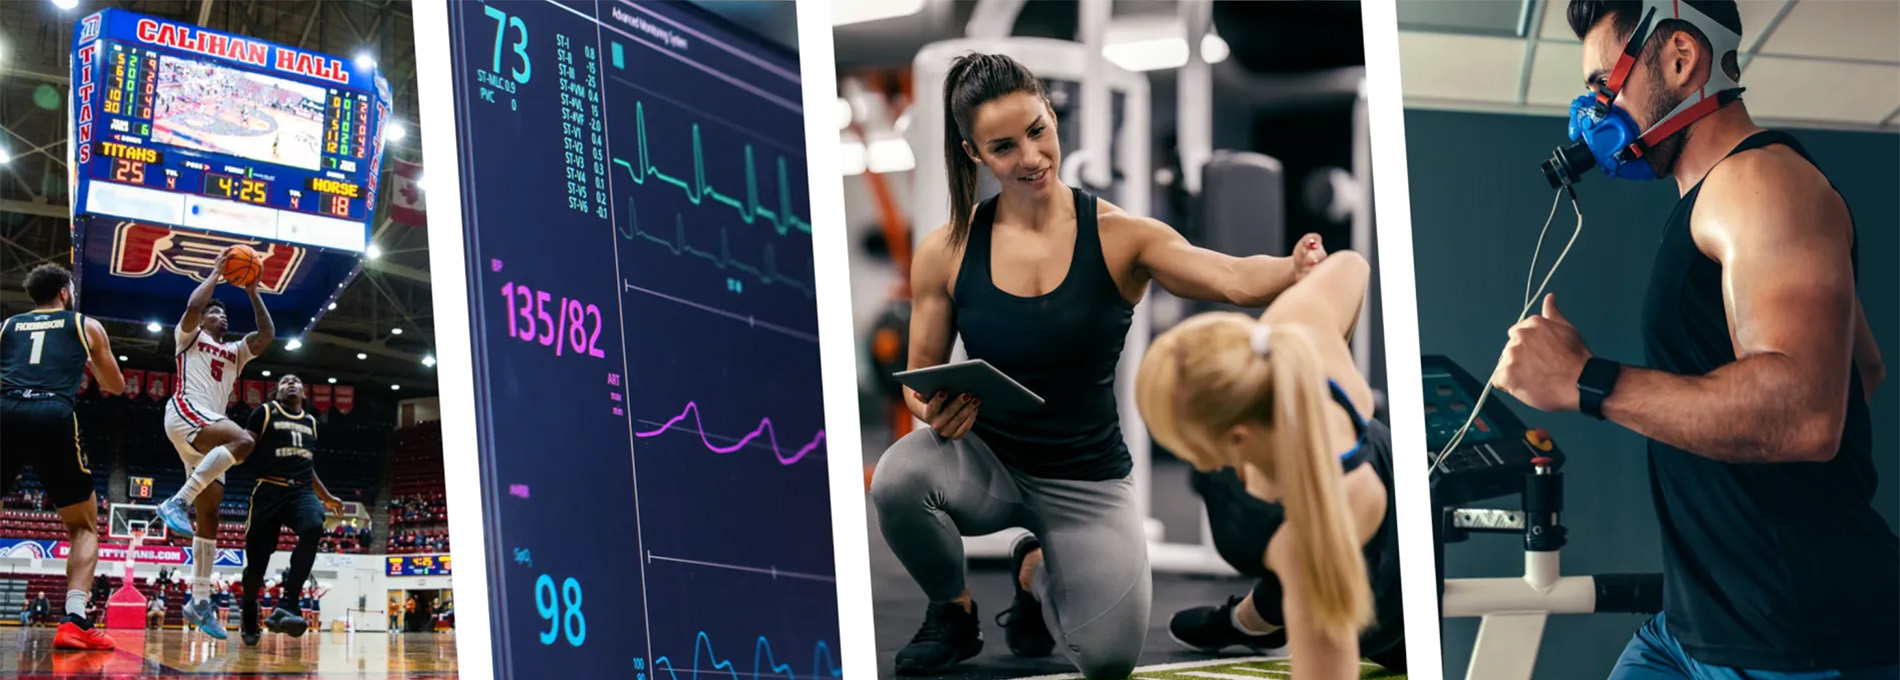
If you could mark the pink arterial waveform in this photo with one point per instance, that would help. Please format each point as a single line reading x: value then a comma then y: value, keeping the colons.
x: 764, y: 428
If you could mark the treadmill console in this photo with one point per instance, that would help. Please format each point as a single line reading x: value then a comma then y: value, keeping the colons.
x: 1494, y: 456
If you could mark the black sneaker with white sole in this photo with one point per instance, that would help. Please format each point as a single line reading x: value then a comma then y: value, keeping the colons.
x: 950, y: 635
x: 1023, y: 626
x: 1211, y: 629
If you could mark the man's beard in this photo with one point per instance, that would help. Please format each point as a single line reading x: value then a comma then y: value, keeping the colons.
x: 1663, y: 156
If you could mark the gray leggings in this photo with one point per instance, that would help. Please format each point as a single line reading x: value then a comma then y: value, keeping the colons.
x: 1094, y: 585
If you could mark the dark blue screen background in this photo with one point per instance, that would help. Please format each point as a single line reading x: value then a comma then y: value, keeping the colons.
x: 696, y: 520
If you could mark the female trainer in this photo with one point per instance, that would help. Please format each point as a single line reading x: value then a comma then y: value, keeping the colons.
x: 1040, y: 281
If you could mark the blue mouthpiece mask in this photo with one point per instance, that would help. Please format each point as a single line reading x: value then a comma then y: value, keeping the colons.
x: 1605, y: 136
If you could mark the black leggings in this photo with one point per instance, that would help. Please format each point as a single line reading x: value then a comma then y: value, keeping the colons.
x: 274, y: 506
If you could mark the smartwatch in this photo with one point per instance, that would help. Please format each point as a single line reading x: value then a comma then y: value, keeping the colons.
x: 1598, y: 379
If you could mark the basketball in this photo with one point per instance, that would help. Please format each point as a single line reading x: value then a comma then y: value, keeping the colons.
x: 242, y: 268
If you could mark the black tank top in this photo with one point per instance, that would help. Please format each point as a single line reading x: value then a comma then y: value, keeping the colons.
x: 1063, y: 345
x: 285, y: 443
x: 43, y: 354
x: 1778, y: 567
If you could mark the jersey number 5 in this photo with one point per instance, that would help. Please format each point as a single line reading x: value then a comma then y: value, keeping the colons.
x: 217, y: 370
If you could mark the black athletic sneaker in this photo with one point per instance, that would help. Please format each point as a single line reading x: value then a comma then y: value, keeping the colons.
x: 1023, y: 628
x: 948, y: 637
x: 1211, y: 629
x: 281, y: 621
x: 248, y: 628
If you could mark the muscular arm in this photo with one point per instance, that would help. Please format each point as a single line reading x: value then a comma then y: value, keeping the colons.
x: 1329, y: 297
x: 932, y: 328
x: 1197, y: 273
x: 105, y: 366
x: 1789, y: 294
x: 1873, y: 369
x: 328, y: 498
x: 200, y: 296
x: 260, y: 339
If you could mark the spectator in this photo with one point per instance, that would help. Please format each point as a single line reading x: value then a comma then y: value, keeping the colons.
x: 155, y: 614
x: 40, y: 611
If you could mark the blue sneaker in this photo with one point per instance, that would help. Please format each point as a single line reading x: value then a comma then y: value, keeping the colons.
x: 200, y: 613
x: 176, y: 516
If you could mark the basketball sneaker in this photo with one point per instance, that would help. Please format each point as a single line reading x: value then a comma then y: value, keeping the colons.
x: 77, y: 633
x: 950, y: 634
x: 176, y: 516
x: 1212, y: 629
x: 248, y: 629
x: 284, y: 622
x: 1023, y: 628
x: 201, y: 613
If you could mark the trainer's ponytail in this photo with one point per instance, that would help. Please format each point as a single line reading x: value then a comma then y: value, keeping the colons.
x: 973, y: 80
x: 1306, y: 471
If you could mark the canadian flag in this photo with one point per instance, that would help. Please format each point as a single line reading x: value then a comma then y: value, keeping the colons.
x: 405, y: 195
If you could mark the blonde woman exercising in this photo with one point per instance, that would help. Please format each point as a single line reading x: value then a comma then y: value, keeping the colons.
x: 1279, y: 402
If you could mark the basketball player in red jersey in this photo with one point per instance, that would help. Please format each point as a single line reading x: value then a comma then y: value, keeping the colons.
x: 207, y: 441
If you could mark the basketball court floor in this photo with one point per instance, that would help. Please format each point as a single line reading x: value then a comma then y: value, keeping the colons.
x: 27, y: 653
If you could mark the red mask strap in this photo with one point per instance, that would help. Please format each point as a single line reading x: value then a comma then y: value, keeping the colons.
x: 1626, y: 63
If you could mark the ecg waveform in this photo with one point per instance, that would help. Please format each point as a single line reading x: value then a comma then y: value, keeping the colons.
x: 768, y: 273
x: 763, y: 663
x: 697, y: 190
x: 764, y: 428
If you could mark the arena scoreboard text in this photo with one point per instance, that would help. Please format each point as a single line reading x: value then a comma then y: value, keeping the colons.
x: 187, y: 140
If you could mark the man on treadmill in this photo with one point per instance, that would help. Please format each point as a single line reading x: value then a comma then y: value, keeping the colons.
x: 1760, y: 368
x: 288, y: 494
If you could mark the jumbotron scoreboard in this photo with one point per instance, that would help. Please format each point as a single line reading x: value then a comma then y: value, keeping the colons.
x: 187, y: 140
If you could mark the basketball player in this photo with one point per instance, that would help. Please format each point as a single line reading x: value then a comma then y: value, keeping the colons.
x: 43, y: 356
x: 288, y: 494
x: 208, y: 442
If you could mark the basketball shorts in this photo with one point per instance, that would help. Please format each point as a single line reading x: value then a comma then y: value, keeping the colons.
x: 43, y: 432
x: 182, y: 425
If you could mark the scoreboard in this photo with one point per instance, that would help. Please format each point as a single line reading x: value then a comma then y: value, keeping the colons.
x: 418, y: 565
x: 187, y: 140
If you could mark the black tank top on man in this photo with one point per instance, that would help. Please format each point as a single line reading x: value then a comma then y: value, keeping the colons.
x: 1774, y: 567
x: 1063, y: 345
x: 43, y: 355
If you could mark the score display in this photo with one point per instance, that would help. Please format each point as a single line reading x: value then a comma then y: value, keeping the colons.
x: 418, y: 565
x: 649, y: 413
x: 180, y: 125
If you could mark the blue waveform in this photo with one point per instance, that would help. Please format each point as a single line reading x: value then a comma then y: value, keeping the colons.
x: 763, y: 663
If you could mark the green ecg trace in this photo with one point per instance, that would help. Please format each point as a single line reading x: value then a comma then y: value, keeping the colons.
x: 697, y: 190
x: 767, y: 273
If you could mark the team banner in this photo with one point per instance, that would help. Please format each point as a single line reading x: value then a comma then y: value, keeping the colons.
x: 254, y: 392
x: 158, y: 386
x: 320, y: 397
x: 134, y: 382
x: 147, y: 554
x: 345, y: 398
x: 405, y: 201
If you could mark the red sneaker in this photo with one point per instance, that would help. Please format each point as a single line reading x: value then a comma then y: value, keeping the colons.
x: 70, y: 636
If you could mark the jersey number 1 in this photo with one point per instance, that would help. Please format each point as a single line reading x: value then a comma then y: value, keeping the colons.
x: 39, y: 341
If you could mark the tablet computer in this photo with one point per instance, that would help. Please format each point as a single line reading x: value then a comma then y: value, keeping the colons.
x: 976, y: 377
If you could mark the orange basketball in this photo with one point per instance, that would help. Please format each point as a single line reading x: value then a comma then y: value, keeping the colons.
x: 242, y: 267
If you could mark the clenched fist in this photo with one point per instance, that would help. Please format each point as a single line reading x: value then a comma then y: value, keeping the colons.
x: 1543, y: 360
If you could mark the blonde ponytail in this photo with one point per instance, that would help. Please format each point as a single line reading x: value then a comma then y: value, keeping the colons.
x: 1305, y: 468
x: 1214, y: 371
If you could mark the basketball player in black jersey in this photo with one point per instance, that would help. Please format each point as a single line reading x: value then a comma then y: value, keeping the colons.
x: 1760, y: 367
x: 288, y: 494
x: 43, y: 357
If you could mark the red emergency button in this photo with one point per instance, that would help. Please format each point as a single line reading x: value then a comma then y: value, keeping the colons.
x: 1539, y: 439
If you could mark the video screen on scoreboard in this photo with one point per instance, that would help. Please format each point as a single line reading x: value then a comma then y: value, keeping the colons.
x: 204, y: 106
